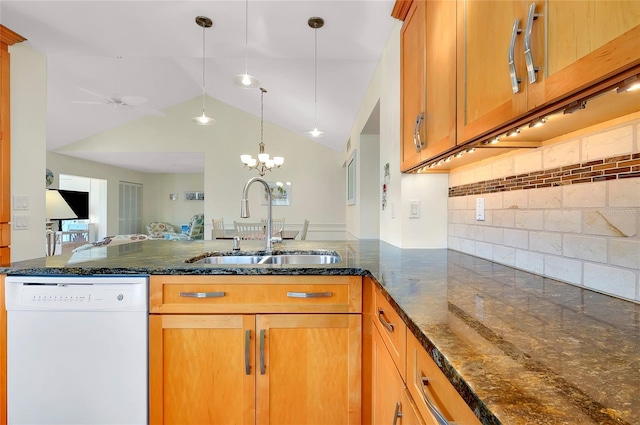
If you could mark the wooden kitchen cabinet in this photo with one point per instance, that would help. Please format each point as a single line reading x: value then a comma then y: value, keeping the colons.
x: 7, y: 38
x: 588, y: 41
x: 277, y: 358
x: 391, y: 402
x: 428, y: 81
x: 517, y: 56
x: 431, y: 389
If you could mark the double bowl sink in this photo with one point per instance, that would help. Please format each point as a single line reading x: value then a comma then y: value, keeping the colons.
x: 288, y: 258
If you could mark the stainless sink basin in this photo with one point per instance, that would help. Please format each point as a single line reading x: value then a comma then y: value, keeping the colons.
x: 299, y: 259
x: 231, y: 259
x: 302, y: 259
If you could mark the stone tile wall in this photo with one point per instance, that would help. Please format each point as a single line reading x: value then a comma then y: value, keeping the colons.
x: 569, y: 210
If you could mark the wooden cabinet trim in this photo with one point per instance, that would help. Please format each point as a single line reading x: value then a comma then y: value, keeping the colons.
x: 10, y: 37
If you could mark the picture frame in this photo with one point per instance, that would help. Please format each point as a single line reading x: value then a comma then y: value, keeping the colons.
x: 280, y: 193
x: 194, y: 196
x: 351, y: 178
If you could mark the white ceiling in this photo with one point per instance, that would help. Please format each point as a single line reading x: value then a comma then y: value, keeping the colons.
x: 161, y: 49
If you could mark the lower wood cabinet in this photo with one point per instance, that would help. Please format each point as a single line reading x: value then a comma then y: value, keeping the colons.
x: 391, y: 401
x: 263, y: 368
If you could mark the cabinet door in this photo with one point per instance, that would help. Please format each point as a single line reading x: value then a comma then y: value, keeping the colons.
x: 308, y: 369
x: 412, y: 84
x: 588, y: 41
x: 202, y: 369
x: 440, y: 71
x: 391, y: 404
x: 486, y: 98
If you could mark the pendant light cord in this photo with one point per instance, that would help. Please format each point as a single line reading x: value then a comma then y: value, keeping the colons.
x: 315, y: 79
x: 262, y: 115
x: 246, y: 37
x: 203, y: 85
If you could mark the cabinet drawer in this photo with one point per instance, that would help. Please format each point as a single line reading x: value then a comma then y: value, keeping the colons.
x: 429, y: 386
x: 392, y: 330
x: 255, y: 294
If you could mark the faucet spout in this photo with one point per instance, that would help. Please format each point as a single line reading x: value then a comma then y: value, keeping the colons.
x: 244, y: 207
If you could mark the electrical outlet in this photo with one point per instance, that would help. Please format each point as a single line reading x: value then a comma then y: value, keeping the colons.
x: 480, y: 209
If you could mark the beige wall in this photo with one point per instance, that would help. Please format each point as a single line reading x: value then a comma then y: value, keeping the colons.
x: 587, y: 234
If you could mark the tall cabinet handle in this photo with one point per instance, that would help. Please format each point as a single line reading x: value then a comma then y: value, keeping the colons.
x: 247, y: 358
x: 440, y: 419
x: 262, y: 366
x: 515, y: 81
x: 397, y: 414
x: 528, y: 57
x: 381, y: 318
x: 417, y: 137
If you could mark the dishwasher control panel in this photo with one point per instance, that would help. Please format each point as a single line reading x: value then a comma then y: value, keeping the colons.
x: 77, y: 293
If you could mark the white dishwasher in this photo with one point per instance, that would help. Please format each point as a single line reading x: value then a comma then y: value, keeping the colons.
x: 77, y: 349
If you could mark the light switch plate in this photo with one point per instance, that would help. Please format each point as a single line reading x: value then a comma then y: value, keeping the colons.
x: 414, y: 209
x: 20, y: 202
x: 480, y: 209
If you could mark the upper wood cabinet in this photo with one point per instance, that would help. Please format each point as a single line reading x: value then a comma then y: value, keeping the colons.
x: 517, y: 56
x: 7, y: 38
x: 428, y: 84
x: 587, y: 42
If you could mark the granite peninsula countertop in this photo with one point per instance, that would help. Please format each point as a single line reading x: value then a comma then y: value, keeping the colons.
x: 519, y: 348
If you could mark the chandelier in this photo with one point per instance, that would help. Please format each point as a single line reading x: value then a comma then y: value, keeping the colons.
x: 263, y: 163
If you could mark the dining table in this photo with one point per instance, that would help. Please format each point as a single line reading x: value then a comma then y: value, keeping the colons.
x: 286, y: 234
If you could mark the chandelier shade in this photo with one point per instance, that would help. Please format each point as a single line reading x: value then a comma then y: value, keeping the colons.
x: 263, y: 163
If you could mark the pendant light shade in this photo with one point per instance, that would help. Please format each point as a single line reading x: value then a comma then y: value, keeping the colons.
x: 315, y: 23
x: 203, y: 119
x: 245, y: 80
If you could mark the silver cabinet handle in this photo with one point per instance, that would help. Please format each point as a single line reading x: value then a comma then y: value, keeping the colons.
x: 397, y: 413
x: 515, y: 81
x: 247, y: 358
x: 528, y: 57
x: 384, y: 321
x: 309, y: 294
x: 202, y: 294
x: 417, y: 137
x: 423, y: 382
x: 262, y: 365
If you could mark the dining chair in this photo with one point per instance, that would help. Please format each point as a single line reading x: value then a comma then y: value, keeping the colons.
x: 305, y: 227
x: 218, y: 227
x: 277, y: 224
x: 249, y: 231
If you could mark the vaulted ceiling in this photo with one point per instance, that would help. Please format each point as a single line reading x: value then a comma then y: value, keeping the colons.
x: 161, y: 51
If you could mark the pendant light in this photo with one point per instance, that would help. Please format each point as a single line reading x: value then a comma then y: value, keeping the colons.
x: 205, y: 23
x: 263, y: 163
x: 245, y: 80
x: 315, y: 23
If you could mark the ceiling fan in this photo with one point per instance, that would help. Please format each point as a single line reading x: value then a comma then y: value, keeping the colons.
x: 117, y: 101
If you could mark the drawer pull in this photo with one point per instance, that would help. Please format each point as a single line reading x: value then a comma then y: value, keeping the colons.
x: 512, y: 63
x: 528, y: 57
x: 397, y: 413
x: 309, y: 294
x: 202, y: 294
x: 262, y: 365
x: 384, y: 321
x: 247, y: 358
x: 440, y: 419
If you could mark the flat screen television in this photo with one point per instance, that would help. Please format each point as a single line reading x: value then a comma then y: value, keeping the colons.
x: 78, y: 201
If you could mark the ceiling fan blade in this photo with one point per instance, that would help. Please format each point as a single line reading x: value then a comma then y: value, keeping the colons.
x: 133, y: 100
x: 92, y: 93
x: 88, y: 102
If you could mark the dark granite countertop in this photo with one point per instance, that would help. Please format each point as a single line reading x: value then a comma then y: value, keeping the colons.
x: 519, y: 348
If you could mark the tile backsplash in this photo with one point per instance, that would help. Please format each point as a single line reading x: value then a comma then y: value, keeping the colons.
x: 568, y: 210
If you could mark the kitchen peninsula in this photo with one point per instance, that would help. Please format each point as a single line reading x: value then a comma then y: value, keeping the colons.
x: 518, y: 348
